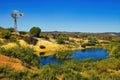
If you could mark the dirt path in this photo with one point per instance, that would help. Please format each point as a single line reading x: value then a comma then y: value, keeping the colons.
x: 13, y: 62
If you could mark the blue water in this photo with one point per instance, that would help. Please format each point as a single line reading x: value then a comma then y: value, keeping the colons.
x: 94, y: 53
x: 48, y: 59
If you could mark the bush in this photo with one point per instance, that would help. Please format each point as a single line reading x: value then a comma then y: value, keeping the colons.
x: 25, y: 54
x: 10, y: 29
x: 83, y: 45
x: 30, y: 40
x: 114, y: 49
x: 116, y: 52
x: 45, y: 36
x: 90, y: 44
x: 61, y: 39
x: 63, y: 55
x: 6, y: 34
x: 1, y: 29
x: 72, y: 76
x: 42, y: 47
x: 35, y: 31
x: 22, y: 32
x: 13, y: 39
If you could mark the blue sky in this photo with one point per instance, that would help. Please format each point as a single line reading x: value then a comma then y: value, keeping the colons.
x: 63, y: 15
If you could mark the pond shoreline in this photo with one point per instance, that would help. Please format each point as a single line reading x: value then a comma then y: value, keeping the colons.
x: 89, y: 53
x: 53, y: 51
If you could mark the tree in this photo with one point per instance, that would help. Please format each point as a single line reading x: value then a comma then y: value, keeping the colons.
x: 35, y: 31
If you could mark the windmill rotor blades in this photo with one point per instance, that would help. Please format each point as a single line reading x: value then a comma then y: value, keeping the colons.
x: 16, y: 14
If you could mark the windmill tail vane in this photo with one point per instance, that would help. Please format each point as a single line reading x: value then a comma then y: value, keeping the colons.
x: 21, y: 14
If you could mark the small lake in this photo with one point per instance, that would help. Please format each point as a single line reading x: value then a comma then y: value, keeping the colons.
x: 94, y: 53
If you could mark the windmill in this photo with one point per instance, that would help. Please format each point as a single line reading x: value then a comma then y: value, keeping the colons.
x: 15, y: 15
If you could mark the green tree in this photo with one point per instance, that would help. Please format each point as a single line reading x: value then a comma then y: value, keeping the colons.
x: 35, y: 31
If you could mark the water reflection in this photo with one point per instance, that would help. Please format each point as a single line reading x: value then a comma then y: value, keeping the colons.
x: 48, y: 59
x: 42, y: 53
x: 96, y: 54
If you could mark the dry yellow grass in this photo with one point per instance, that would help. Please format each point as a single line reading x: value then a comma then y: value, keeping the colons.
x: 9, y: 45
x: 49, y: 46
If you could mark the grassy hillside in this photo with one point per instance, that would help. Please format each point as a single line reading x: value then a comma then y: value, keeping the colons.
x: 19, y: 56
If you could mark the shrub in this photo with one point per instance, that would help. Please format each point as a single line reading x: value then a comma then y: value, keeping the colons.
x: 10, y: 29
x: 72, y: 76
x: 116, y: 52
x: 12, y: 39
x: 114, y: 49
x: 63, y: 55
x: 42, y: 47
x: 60, y: 41
x: 83, y: 45
x: 1, y: 28
x: 35, y: 31
x: 90, y: 44
x: 22, y: 32
x: 30, y: 40
x: 26, y: 54
x: 45, y: 36
x: 6, y: 34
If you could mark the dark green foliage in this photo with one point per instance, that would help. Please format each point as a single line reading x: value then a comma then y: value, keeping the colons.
x: 91, y: 41
x: 5, y: 71
x: 90, y: 44
x: 10, y: 29
x: 35, y: 31
x: 26, y: 54
x: 69, y: 70
x: 63, y: 55
x: 47, y: 74
x: 42, y: 47
x: 116, y: 52
x: 72, y: 76
x: 83, y: 45
x: 19, y: 75
x: 61, y: 39
x: 107, y: 69
x: 1, y: 28
x: 45, y: 36
x: 13, y: 39
x: 42, y: 53
x: 114, y: 49
x: 6, y: 34
x: 8, y: 73
x: 30, y: 40
x: 23, y: 32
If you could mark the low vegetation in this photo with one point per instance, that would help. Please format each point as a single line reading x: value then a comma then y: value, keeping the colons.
x: 104, y: 69
x: 30, y: 40
x: 26, y: 54
x: 114, y: 49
